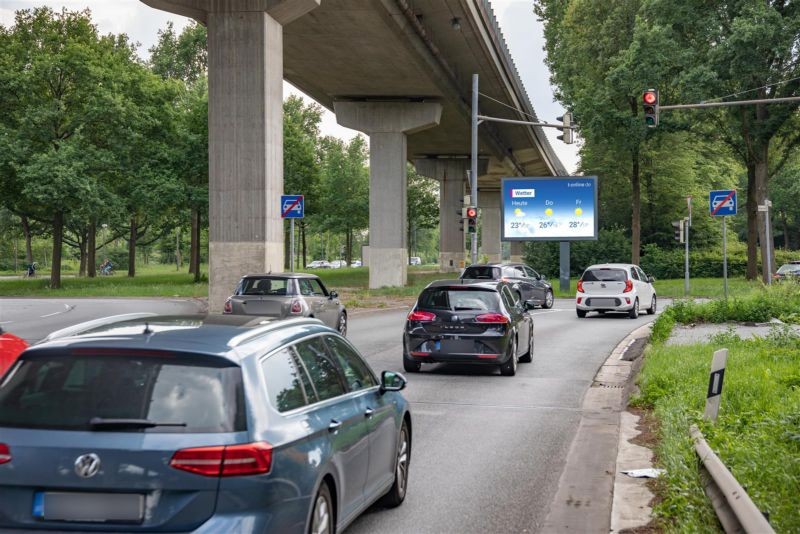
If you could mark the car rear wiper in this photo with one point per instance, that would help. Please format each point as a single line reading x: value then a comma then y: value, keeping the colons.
x: 100, y: 422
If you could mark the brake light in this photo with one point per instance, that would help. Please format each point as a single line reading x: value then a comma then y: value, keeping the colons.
x: 413, y: 353
x: 580, y: 286
x: 628, y: 286
x: 492, y: 318
x: 5, y: 454
x: 228, y: 308
x: 504, y: 279
x: 421, y: 316
x: 225, y: 460
x: 296, y: 306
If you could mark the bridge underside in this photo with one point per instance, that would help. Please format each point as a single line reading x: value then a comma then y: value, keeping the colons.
x: 397, y: 70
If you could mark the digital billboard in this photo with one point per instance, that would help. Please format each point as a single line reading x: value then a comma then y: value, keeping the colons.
x: 549, y: 209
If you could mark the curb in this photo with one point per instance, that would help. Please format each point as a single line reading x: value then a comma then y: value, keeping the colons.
x: 585, y: 496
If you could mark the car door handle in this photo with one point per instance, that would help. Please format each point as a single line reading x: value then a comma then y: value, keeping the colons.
x: 334, y: 426
x: 369, y: 412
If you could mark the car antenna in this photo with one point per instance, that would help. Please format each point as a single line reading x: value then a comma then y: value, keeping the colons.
x: 147, y: 328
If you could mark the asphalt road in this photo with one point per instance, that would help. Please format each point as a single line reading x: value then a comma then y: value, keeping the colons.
x: 487, y: 451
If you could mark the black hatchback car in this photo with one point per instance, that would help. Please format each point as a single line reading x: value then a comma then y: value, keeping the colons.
x: 457, y: 321
x: 530, y: 286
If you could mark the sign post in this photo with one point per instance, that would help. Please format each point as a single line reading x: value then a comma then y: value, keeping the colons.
x: 765, y: 208
x: 721, y: 204
x: 714, y: 394
x: 292, y: 207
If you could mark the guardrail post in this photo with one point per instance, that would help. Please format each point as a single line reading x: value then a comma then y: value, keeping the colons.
x: 714, y: 394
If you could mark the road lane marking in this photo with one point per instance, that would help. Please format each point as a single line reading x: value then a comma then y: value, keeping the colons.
x: 67, y: 308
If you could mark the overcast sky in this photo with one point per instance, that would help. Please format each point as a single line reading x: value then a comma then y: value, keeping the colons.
x: 522, y: 31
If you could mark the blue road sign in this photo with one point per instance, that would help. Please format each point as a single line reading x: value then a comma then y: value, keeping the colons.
x: 722, y: 203
x: 292, y: 207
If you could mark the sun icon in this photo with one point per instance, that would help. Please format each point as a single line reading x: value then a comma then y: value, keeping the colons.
x: 548, y: 212
x: 518, y: 212
x: 578, y: 211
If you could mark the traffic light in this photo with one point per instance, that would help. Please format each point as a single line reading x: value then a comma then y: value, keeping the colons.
x: 678, y: 225
x: 650, y: 107
x: 472, y: 219
x: 566, y: 120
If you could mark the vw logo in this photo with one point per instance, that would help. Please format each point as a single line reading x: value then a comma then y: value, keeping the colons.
x: 87, y: 465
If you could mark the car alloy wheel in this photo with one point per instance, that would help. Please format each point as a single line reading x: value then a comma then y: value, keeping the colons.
x: 322, y: 516
x: 548, y: 300
x: 397, y: 493
x: 342, y: 324
x: 634, y: 313
x: 653, y: 303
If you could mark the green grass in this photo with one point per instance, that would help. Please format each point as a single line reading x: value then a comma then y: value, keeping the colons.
x: 706, y: 287
x: 757, y: 434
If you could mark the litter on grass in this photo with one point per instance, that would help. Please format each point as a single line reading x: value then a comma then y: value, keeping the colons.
x: 644, y: 473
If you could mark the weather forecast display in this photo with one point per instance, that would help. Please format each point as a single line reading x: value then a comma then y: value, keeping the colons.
x: 555, y: 209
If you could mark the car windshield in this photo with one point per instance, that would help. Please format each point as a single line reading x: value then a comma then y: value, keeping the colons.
x: 789, y: 268
x: 66, y: 391
x: 443, y: 298
x: 480, y: 273
x: 605, y: 275
x: 266, y: 286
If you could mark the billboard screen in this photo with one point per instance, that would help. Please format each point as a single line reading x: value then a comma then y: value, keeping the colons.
x: 549, y: 209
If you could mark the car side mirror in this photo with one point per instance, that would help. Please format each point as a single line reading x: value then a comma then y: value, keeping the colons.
x: 333, y: 295
x: 651, y: 279
x: 392, y: 381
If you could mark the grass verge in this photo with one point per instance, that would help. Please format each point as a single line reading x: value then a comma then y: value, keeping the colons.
x: 757, y: 434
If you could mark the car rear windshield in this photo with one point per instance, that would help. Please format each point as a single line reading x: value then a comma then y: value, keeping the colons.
x: 443, y: 298
x: 789, y: 268
x: 605, y: 275
x: 66, y: 390
x: 481, y: 273
x: 266, y: 286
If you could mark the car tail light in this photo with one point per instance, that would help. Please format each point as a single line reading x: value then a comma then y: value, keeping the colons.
x: 504, y: 279
x: 225, y: 460
x: 296, y: 306
x: 5, y: 454
x: 416, y: 353
x: 580, y: 299
x: 628, y: 286
x: 580, y: 286
x: 228, y: 308
x: 421, y: 316
x: 492, y: 318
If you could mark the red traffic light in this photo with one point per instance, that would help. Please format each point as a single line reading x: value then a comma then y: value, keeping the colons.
x: 472, y: 212
x: 649, y: 97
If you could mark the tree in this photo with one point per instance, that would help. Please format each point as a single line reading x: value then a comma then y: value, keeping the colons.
x: 743, y: 49
x: 423, y: 206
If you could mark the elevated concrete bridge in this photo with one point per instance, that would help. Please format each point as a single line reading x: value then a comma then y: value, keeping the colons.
x: 399, y: 71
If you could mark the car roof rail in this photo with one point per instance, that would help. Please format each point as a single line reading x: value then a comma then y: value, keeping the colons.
x: 255, y: 333
x: 80, y: 328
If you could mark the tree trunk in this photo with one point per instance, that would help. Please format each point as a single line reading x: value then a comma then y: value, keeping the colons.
x: 196, y: 226
x: 26, y: 230
x: 752, y: 223
x: 178, y: 258
x: 91, y: 252
x: 132, y: 249
x: 192, y: 241
x: 58, y: 235
x: 761, y: 174
x: 785, y: 224
x: 305, y: 249
x: 82, y: 252
x: 636, y: 205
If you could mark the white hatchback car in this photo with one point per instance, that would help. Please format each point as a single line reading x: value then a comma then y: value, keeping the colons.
x: 615, y: 287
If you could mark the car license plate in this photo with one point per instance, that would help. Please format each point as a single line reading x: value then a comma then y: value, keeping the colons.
x: 604, y: 302
x: 89, y: 507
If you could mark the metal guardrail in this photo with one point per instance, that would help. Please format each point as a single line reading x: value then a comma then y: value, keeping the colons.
x: 735, y: 510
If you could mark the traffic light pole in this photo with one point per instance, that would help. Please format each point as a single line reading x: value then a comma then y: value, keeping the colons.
x: 473, y: 168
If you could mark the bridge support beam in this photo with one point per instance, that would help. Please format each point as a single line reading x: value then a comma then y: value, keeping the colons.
x: 490, y: 225
x: 245, y: 133
x: 387, y: 124
x: 517, y: 251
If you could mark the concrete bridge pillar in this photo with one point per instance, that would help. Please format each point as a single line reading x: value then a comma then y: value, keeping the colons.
x: 489, y: 203
x: 517, y: 251
x: 245, y: 133
x: 387, y: 124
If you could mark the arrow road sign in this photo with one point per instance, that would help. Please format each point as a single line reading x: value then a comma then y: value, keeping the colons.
x: 722, y: 203
x: 292, y: 207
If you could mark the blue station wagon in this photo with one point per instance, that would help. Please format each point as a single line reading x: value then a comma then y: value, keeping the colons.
x: 192, y: 424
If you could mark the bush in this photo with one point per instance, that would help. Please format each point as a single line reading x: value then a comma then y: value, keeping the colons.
x: 777, y: 301
x: 612, y: 245
x: 669, y: 263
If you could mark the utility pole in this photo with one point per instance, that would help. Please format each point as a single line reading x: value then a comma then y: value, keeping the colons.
x: 688, y: 223
x: 768, y: 249
x: 473, y: 168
